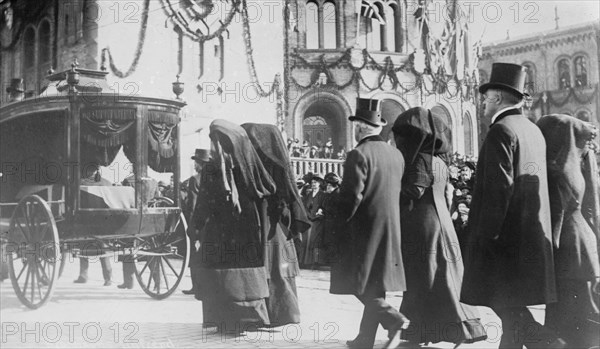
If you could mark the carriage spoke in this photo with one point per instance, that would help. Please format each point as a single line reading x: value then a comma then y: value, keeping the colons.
x: 144, y: 268
x: 149, y: 274
x: 162, y: 267
x: 171, y: 266
x: 22, y: 269
x: 26, y: 279
x: 33, y: 267
x: 40, y: 282
x: 25, y: 235
x: 176, y: 241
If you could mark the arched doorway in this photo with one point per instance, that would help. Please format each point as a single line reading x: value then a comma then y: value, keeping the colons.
x: 316, y: 130
x: 321, y: 121
x: 390, y: 109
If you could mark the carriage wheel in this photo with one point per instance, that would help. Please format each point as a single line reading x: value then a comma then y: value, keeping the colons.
x: 163, y: 259
x: 34, y: 252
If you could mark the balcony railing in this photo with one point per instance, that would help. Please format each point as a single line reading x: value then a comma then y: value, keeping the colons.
x: 302, y: 166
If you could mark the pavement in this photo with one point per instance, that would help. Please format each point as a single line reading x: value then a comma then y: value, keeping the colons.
x: 94, y: 316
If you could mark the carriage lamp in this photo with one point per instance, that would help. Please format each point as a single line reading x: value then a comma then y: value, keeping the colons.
x: 178, y: 87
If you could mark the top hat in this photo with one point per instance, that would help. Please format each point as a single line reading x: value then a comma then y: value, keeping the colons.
x: 369, y: 111
x: 507, y: 77
x: 201, y: 155
x: 16, y: 85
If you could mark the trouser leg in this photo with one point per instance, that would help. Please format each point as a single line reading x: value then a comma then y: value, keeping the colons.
x: 128, y: 271
x: 377, y: 311
x: 84, y: 265
x: 106, y: 268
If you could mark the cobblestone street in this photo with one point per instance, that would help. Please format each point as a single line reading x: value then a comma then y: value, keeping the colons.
x: 94, y: 316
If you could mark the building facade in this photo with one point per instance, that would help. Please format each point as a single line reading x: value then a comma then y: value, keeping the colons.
x: 562, y: 70
x: 330, y: 63
x: 299, y: 64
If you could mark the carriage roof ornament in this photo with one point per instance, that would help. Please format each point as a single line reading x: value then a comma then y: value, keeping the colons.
x: 77, y: 80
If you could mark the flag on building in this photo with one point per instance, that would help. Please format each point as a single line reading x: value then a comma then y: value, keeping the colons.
x: 369, y: 10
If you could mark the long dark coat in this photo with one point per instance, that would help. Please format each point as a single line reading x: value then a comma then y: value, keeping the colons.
x: 369, y: 213
x: 509, y: 259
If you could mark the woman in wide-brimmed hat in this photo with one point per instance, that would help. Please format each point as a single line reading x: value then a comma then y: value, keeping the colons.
x: 430, y: 251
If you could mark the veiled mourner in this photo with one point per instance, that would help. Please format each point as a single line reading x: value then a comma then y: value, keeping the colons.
x: 430, y: 248
x: 282, y: 218
x: 573, y: 186
x: 233, y: 281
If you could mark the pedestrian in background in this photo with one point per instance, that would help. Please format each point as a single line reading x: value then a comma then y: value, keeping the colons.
x: 201, y: 157
x: 370, y: 258
x: 509, y: 263
x: 575, y: 205
x: 430, y: 248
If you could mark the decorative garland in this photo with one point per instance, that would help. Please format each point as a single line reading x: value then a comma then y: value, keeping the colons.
x: 138, y: 50
x: 250, y: 58
x: 387, y: 71
x: 196, y: 35
x: 554, y: 103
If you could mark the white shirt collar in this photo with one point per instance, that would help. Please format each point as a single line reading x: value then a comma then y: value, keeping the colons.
x: 516, y: 106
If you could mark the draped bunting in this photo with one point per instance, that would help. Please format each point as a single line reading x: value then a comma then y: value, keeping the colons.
x: 161, y: 138
x: 105, y: 132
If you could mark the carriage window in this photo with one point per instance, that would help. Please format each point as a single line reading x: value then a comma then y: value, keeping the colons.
x: 103, y: 162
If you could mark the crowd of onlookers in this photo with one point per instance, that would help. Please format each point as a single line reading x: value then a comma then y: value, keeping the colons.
x: 317, y: 193
x: 318, y: 151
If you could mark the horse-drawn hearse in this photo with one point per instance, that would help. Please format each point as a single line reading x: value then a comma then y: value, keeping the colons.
x: 49, y: 208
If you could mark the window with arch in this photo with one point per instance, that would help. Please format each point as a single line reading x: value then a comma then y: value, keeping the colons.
x: 468, y: 131
x: 29, y: 48
x: 29, y: 61
x: 45, y: 43
x: 529, y: 77
x: 321, y: 24
x: 580, y: 63
x: 564, y: 74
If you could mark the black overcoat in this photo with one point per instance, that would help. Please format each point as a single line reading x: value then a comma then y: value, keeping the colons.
x: 509, y: 259
x: 369, y: 214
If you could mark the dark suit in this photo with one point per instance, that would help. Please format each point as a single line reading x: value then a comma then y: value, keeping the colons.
x: 370, y: 257
x: 508, y: 261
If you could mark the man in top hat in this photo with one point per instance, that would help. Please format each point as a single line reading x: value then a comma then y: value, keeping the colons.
x: 369, y: 261
x: 201, y: 158
x: 508, y: 262
x: 16, y: 91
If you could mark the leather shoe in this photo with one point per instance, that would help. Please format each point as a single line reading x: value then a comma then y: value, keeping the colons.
x: 80, y: 280
x: 125, y: 286
x: 189, y: 292
x: 361, y: 342
x: 395, y: 331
